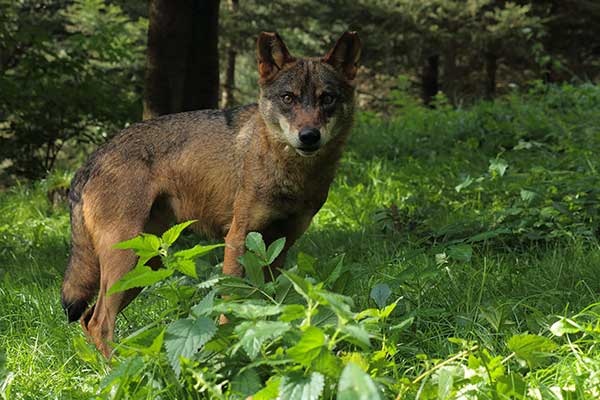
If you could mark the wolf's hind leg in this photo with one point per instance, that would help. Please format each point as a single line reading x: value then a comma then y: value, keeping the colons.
x: 82, y: 275
x: 99, y: 323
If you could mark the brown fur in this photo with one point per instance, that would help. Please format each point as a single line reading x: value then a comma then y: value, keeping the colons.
x: 235, y: 171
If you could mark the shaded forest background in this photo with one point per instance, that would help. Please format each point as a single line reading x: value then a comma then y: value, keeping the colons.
x: 73, y: 73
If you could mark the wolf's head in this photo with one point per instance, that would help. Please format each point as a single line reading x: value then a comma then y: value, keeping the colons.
x: 307, y: 102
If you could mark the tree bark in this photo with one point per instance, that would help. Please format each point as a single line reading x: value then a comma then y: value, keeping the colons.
x: 182, y: 63
x: 229, y: 87
x: 451, y: 79
x: 491, y: 67
x: 430, y: 79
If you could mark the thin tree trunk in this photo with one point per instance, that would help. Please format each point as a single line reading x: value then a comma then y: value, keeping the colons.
x: 491, y: 67
x: 202, y: 83
x: 229, y: 87
x: 451, y: 78
x: 228, y: 90
x: 430, y: 79
x: 182, y: 63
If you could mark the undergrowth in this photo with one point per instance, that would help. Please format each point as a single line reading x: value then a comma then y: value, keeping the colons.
x: 456, y: 257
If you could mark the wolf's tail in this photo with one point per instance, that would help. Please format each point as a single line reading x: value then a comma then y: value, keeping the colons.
x: 82, y: 275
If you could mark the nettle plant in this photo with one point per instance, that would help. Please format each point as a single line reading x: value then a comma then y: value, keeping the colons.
x: 291, y: 337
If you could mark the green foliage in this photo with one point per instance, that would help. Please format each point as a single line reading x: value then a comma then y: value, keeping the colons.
x: 355, y: 384
x: 426, y: 307
x: 529, y: 175
x: 298, y: 337
x: 56, y: 57
x: 286, y: 341
x: 293, y: 350
x: 185, y: 336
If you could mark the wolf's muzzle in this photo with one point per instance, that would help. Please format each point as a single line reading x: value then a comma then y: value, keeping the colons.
x: 309, y: 139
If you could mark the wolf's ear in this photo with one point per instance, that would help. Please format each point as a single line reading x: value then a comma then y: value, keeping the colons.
x: 272, y: 54
x: 345, y: 54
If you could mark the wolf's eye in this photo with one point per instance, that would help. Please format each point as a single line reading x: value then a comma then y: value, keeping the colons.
x: 287, y: 98
x: 327, y: 99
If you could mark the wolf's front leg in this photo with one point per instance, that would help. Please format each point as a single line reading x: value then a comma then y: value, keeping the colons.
x: 234, y: 247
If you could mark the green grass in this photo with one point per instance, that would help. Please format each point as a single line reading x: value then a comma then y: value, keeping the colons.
x: 396, y: 214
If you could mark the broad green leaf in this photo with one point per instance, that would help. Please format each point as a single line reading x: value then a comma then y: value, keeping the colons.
x: 254, y: 333
x: 306, y: 264
x: 533, y: 349
x: 464, y: 184
x: 356, y: 384
x: 157, y: 343
x: 207, y: 284
x: 292, y: 312
x: 387, y: 310
x: 270, y: 391
x: 402, y: 325
x: 296, y: 386
x: 129, y: 367
x: 253, y: 266
x: 256, y: 244
x: 445, y: 382
x: 143, y: 242
x: 205, y: 306
x: 357, y: 335
x: 340, y: 304
x: 328, y: 364
x: 185, y: 266
x: 460, y: 252
x: 246, y: 383
x: 565, y: 326
x: 367, y: 313
x: 140, y: 276
x: 511, y: 386
x: 185, y: 337
x: 249, y: 310
x: 285, y: 292
x: 335, y: 272
x: 309, y: 347
x: 527, y: 195
x: 493, y: 365
x: 275, y: 249
x: 196, y: 251
x: 146, y: 340
x: 145, y: 246
x: 171, y: 235
x: 83, y: 349
x: 380, y: 293
x: 498, y: 167
x: 340, y: 284
x: 301, y: 285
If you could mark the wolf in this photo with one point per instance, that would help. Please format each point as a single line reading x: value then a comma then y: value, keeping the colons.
x: 264, y: 167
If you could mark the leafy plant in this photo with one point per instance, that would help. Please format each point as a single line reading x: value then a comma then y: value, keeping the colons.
x: 291, y: 337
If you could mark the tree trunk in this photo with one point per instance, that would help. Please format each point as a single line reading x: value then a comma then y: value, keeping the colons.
x: 229, y: 87
x: 430, y: 82
x: 491, y: 67
x: 182, y: 63
x: 451, y: 79
x: 228, y: 90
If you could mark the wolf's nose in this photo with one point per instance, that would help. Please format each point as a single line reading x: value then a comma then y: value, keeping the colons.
x: 310, y: 136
